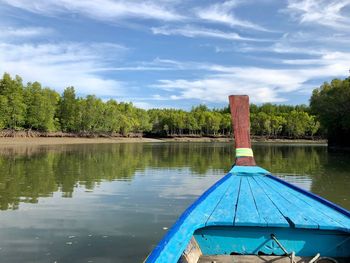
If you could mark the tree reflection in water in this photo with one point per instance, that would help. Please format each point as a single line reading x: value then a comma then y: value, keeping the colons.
x: 27, y: 173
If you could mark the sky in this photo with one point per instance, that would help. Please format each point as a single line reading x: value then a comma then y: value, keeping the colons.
x: 170, y: 53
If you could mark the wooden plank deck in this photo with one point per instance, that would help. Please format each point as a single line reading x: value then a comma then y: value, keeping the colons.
x: 323, y: 221
x: 257, y: 200
x: 247, y: 212
x: 224, y: 213
x: 309, y: 203
x: 295, y: 217
x: 270, y: 213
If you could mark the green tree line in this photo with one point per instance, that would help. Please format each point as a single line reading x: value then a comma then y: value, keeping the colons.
x: 331, y: 105
x: 33, y: 107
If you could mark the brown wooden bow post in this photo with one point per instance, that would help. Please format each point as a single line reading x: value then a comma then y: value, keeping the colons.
x: 239, y: 105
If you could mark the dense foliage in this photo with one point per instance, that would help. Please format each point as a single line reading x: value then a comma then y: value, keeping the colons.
x: 331, y: 104
x: 282, y: 120
x: 33, y: 107
x: 266, y: 120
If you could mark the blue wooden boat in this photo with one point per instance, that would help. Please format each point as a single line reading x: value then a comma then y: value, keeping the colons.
x: 252, y: 216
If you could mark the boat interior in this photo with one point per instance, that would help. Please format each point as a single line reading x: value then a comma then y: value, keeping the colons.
x: 261, y: 244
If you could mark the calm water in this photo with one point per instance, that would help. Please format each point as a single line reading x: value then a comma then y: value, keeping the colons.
x: 112, y: 203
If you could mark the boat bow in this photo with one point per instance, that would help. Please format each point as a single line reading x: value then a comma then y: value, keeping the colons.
x: 251, y: 212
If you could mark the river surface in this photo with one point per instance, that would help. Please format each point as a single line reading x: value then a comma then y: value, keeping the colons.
x: 113, y: 203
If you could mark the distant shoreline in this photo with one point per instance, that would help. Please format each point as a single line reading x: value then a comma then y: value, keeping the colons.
x: 29, y: 141
x: 254, y: 140
x: 32, y: 141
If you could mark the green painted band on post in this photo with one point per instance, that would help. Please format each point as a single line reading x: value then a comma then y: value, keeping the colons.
x: 244, y: 152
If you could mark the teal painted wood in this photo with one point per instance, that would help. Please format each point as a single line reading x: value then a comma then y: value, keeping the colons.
x: 324, y: 221
x: 224, y: 212
x: 250, y: 197
x: 297, y: 218
x: 309, y: 203
x: 266, y: 207
x: 247, y: 213
x: 248, y: 170
x: 252, y: 240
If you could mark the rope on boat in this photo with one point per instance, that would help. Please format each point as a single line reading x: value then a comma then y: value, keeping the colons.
x: 244, y: 152
x: 316, y: 258
x: 280, y: 245
x: 292, y: 257
x: 328, y: 258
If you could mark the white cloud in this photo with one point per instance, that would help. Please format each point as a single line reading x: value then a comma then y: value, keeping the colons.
x: 302, y: 56
x: 149, y: 102
x: 148, y: 105
x: 223, y: 13
x: 216, y: 89
x: 24, y: 32
x: 336, y: 62
x: 192, y: 32
x: 278, y: 48
x: 329, y: 13
x: 105, y: 10
x: 143, y: 105
x: 133, y: 68
x: 61, y: 65
x: 155, y: 65
x: 261, y: 84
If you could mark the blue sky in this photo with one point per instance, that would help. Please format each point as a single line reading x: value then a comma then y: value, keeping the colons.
x: 169, y: 53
